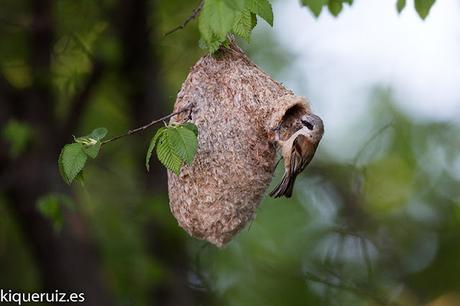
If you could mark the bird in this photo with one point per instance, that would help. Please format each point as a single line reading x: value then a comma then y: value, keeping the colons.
x: 297, y: 152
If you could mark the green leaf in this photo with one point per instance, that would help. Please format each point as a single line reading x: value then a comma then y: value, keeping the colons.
x: 335, y: 7
x: 215, y: 23
x: 400, y: 5
x: 218, y: 17
x: 315, y: 6
x: 96, y: 136
x: 92, y: 142
x: 166, y: 154
x: 253, y: 20
x: 174, y: 145
x: 211, y: 45
x: 243, y: 24
x: 423, y: 7
x: 191, y: 126
x: 184, y: 142
x: 263, y: 8
x: 92, y: 150
x: 71, y: 161
x: 209, y: 40
x: 99, y: 133
x: 152, y: 145
x: 236, y: 5
x: 18, y: 135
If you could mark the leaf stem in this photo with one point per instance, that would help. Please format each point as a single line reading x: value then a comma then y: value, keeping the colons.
x: 144, y: 127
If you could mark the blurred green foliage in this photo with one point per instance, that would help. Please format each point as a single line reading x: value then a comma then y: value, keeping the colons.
x: 18, y: 135
x: 381, y: 229
x: 52, y: 206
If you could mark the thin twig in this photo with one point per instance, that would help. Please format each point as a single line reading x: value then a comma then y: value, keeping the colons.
x: 369, y: 141
x: 347, y: 286
x: 366, y: 256
x: 143, y: 128
x: 194, y: 14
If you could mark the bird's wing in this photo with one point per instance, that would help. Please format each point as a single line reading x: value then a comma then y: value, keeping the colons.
x: 296, y: 156
x: 303, y: 152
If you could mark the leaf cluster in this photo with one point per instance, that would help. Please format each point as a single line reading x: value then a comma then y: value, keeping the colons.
x: 73, y: 156
x: 219, y: 18
x: 175, y: 145
x: 422, y: 7
x: 335, y: 6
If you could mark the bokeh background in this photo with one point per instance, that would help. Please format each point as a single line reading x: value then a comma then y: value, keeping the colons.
x: 375, y: 219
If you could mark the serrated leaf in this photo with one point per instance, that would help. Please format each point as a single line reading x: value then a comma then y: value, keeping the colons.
x: 184, y: 143
x: 263, y: 8
x: 400, y: 5
x: 236, y: 5
x: 211, y: 45
x: 152, y: 145
x: 423, y: 7
x: 167, y: 156
x: 209, y: 40
x: 335, y: 7
x: 99, y: 133
x: 243, y: 24
x: 315, y: 6
x: 71, y: 161
x: 218, y: 17
x: 191, y: 126
x: 92, y: 150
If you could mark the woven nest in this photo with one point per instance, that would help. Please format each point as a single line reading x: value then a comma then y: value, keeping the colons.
x: 235, y: 106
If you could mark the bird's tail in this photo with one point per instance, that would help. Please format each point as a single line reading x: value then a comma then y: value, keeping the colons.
x: 285, y: 187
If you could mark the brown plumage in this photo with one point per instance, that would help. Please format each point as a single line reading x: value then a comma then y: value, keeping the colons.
x: 298, y: 150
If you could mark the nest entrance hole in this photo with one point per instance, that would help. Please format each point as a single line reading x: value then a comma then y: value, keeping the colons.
x: 290, y: 122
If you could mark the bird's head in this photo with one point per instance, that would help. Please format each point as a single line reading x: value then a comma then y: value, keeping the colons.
x: 314, y: 125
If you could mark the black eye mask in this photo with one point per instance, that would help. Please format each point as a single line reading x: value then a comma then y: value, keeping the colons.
x: 307, y: 124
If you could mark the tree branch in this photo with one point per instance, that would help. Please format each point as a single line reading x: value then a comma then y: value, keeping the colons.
x: 144, y: 127
x: 194, y: 14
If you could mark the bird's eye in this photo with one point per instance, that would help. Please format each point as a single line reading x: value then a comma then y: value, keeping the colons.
x: 307, y: 124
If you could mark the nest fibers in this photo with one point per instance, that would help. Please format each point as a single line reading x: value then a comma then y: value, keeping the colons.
x: 235, y: 106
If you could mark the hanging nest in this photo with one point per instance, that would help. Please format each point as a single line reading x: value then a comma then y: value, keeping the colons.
x: 235, y: 106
